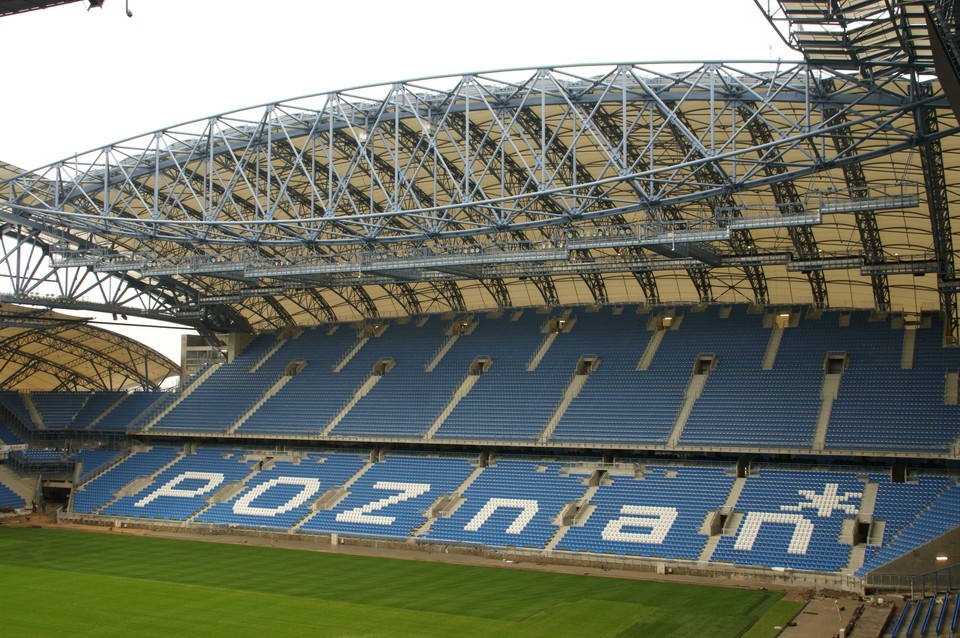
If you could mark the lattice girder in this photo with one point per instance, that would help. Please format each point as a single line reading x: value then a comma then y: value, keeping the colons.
x: 719, y: 172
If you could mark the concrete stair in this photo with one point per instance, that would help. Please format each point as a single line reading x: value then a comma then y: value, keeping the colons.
x: 330, y: 498
x: 103, y: 414
x: 651, y: 350
x: 468, y: 382
x: 573, y: 390
x: 541, y: 351
x: 34, y: 412
x: 269, y: 353
x: 773, y: 346
x: 137, y: 484
x: 694, y: 390
x: 828, y: 394
x: 272, y: 390
x: 437, y: 358
x: 583, y: 511
x: 350, y: 355
x: 909, y: 344
x: 23, y: 486
x: 361, y: 392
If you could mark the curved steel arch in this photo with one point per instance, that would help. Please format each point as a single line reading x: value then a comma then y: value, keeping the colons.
x: 701, y: 181
x: 78, y: 356
x: 231, y: 184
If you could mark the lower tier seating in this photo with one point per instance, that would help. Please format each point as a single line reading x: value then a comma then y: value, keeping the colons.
x: 793, y: 519
x: 638, y: 515
x: 780, y: 518
x: 10, y: 499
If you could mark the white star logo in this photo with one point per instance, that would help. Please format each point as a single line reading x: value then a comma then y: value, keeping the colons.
x: 825, y: 503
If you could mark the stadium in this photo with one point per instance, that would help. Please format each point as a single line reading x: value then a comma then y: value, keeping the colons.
x: 689, y: 321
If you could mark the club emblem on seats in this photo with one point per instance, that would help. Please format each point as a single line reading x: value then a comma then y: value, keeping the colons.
x: 825, y: 503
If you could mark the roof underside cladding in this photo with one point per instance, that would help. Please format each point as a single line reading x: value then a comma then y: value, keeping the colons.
x: 656, y: 183
x: 42, y: 350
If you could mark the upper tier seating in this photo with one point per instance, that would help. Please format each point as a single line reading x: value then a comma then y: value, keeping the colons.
x: 384, y: 390
x: 507, y: 402
x: 883, y: 407
x: 13, y: 401
x: 312, y: 397
x: 743, y: 404
x: 380, y: 413
x: 8, y: 437
x: 79, y: 410
x: 226, y: 395
x: 59, y: 408
x: 126, y: 411
x: 618, y: 403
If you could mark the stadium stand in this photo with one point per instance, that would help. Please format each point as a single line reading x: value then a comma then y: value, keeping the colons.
x: 14, y: 402
x: 584, y: 383
x: 37, y: 456
x: 8, y: 437
x: 124, y: 412
x: 781, y: 518
x: 409, y: 347
x: 58, y: 409
x: 103, y: 488
x: 633, y: 511
x: 882, y: 406
x: 509, y: 401
x: 10, y: 499
x: 91, y: 460
x: 280, y: 496
x: 744, y: 404
x: 618, y: 402
x: 922, y: 524
x: 96, y: 405
x: 197, y: 473
x: 389, y: 498
x: 792, y: 519
x: 310, y: 399
x: 510, y: 503
x: 226, y: 395
x: 710, y: 381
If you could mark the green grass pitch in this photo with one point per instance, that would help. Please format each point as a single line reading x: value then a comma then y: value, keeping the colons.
x: 68, y: 583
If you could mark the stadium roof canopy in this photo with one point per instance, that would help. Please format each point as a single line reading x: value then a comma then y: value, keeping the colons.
x: 45, y: 350
x: 830, y: 181
x: 12, y: 7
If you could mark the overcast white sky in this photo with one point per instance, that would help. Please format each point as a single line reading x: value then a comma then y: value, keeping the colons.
x: 77, y: 79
